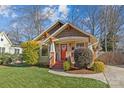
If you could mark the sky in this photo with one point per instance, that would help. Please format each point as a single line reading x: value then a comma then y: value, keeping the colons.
x: 59, y: 12
x: 8, y: 14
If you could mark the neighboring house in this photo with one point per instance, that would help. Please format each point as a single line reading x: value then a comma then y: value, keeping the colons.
x: 120, y: 48
x: 60, y: 38
x: 6, y: 45
x: 120, y: 45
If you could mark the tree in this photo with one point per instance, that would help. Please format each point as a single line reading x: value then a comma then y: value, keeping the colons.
x: 111, y: 22
x: 91, y: 21
x: 75, y: 16
x: 31, y: 20
x: 14, y: 34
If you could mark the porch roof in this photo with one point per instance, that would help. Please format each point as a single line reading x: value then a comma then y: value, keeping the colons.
x: 72, y: 38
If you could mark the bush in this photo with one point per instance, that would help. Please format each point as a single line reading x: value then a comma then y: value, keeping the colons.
x: 66, y: 65
x: 31, y: 52
x: 5, y: 58
x: 98, y: 66
x: 9, y: 58
x: 16, y: 57
x: 83, y: 57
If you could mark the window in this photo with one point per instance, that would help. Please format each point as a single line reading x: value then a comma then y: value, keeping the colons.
x: 79, y: 45
x: 1, y: 39
x: 2, y: 50
x: 44, y: 51
x: 16, y: 51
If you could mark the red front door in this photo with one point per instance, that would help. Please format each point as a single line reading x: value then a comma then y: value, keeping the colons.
x: 63, y: 51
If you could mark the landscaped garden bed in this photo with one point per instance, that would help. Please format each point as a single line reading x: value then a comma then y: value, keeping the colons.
x: 84, y: 63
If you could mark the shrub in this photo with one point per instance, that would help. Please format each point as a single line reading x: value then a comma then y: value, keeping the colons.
x: 5, y: 58
x: 83, y: 57
x: 97, y: 59
x: 98, y: 66
x: 31, y: 52
x: 16, y: 57
x: 66, y: 65
x: 9, y: 58
x: 112, y: 58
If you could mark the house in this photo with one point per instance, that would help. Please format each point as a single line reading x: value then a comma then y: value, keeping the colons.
x: 58, y: 41
x: 6, y: 46
x: 120, y: 44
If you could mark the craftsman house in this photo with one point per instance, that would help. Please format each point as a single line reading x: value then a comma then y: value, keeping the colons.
x: 59, y: 39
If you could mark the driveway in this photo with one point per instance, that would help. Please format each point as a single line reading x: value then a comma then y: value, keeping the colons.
x: 115, y: 76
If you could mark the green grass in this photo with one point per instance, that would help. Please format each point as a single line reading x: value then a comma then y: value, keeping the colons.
x: 35, y: 77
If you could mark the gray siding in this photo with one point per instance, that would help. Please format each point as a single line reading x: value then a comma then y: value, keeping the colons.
x: 44, y: 60
x: 55, y: 28
x: 70, y: 32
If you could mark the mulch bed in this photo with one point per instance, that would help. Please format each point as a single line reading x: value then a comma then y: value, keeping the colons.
x: 81, y: 71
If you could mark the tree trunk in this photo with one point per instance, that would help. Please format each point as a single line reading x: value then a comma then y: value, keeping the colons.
x: 106, y: 40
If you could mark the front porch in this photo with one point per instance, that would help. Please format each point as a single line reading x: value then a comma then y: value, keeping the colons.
x: 63, y: 49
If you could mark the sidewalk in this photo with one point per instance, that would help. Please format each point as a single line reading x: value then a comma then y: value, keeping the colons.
x: 99, y: 76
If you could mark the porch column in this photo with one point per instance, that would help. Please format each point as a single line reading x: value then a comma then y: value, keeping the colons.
x: 52, y: 54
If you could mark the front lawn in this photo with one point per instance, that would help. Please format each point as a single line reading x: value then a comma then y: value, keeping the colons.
x: 35, y: 77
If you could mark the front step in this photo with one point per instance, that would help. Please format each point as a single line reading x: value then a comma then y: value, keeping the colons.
x: 58, y: 65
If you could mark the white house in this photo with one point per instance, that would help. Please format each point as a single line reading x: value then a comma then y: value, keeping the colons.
x: 6, y: 45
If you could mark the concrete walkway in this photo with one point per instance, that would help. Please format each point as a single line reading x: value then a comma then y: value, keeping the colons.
x: 99, y: 76
x: 114, y: 75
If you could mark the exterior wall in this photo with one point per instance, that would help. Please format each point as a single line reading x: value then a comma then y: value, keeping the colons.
x: 12, y: 50
x: 55, y: 28
x: 70, y: 32
x: 51, y: 31
x: 7, y: 45
x: 44, y: 60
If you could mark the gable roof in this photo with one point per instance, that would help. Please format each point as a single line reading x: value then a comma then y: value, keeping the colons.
x: 6, y: 37
x: 63, y: 27
x: 48, y: 29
